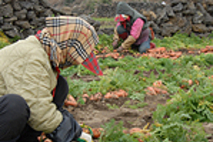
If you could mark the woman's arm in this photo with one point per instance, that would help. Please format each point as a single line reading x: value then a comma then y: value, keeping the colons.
x: 135, y: 32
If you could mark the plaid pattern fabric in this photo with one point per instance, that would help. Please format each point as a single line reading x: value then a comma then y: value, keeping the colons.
x: 121, y: 17
x: 68, y: 40
x: 92, y: 64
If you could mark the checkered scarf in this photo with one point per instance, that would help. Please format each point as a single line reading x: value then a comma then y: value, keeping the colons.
x: 68, y: 41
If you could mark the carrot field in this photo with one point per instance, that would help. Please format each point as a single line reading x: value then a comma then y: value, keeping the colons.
x: 165, y: 95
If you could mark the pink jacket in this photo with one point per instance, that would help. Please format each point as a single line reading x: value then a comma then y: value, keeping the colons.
x: 136, y: 31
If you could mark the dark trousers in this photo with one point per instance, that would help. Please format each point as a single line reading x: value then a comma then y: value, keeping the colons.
x: 14, y: 114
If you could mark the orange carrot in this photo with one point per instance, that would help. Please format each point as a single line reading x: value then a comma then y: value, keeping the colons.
x: 134, y: 130
x: 70, y: 103
x: 108, y: 95
x: 190, y: 82
x: 96, y: 132
x: 151, y: 90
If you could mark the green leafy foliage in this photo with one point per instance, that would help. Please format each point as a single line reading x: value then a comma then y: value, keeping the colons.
x: 114, y: 133
x: 183, y: 41
x: 178, y: 132
x: 188, y: 107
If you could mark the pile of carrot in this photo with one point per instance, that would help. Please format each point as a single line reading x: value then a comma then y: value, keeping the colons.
x: 207, y: 49
x: 161, y: 52
x: 71, y: 101
x: 156, y: 89
x: 143, y: 130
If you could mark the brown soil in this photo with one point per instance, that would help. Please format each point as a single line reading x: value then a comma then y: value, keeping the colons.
x: 97, y: 113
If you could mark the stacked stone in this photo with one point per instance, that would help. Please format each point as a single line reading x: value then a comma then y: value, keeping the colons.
x: 21, y: 18
x: 184, y: 16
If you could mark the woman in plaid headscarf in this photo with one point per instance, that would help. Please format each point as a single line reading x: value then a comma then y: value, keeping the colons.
x: 32, y: 92
x: 133, y: 28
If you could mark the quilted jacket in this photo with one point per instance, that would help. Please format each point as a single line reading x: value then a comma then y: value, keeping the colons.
x: 25, y: 70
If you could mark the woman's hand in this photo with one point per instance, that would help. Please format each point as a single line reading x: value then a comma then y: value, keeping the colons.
x: 115, y: 44
x: 120, y: 49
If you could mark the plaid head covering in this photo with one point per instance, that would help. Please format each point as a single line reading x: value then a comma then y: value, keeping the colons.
x: 70, y: 41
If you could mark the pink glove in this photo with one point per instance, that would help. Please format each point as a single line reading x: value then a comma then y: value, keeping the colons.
x: 120, y: 49
x: 115, y: 44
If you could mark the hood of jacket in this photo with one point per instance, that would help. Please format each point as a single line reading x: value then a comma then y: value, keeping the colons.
x: 124, y: 8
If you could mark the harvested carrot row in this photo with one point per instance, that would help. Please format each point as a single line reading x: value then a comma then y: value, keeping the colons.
x: 70, y: 101
x: 96, y: 97
x: 85, y: 97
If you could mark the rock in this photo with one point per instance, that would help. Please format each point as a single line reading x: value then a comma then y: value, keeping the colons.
x: 44, y: 3
x: 39, y: 9
x: 201, y: 8
x: 198, y: 18
x: 176, y: 2
x: 169, y: 29
x: 31, y: 15
x: 155, y: 27
x: 47, y: 13
x: 162, y: 16
x: 208, y: 19
x: 23, y: 24
x: 170, y: 11
x: 28, y: 32
x: 191, y: 9
x: 35, y: 2
x: 178, y: 7
x: 67, y: 10
x: 150, y: 15
x: 21, y: 15
x: 7, y: 27
x: 179, y: 21
x: 9, y: 20
x: 209, y: 2
x: 16, y: 5
x: 187, y: 28
x: 36, y: 22
x: 6, y: 11
x: 199, y: 28
x: 189, y: 12
x: 95, y: 24
x: 87, y: 18
x: 26, y: 5
x: 1, y: 20
x: 7, y: 1
x: 210, y: 10
x: 191, y: 5
x: 12, y: 33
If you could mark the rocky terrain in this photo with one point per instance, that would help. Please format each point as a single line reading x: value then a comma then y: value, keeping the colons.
x: 20, y: 18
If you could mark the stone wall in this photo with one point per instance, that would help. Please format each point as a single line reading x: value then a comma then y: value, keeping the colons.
x: 21, y: 18
x: 183, y: 16
x: 24, y: 17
